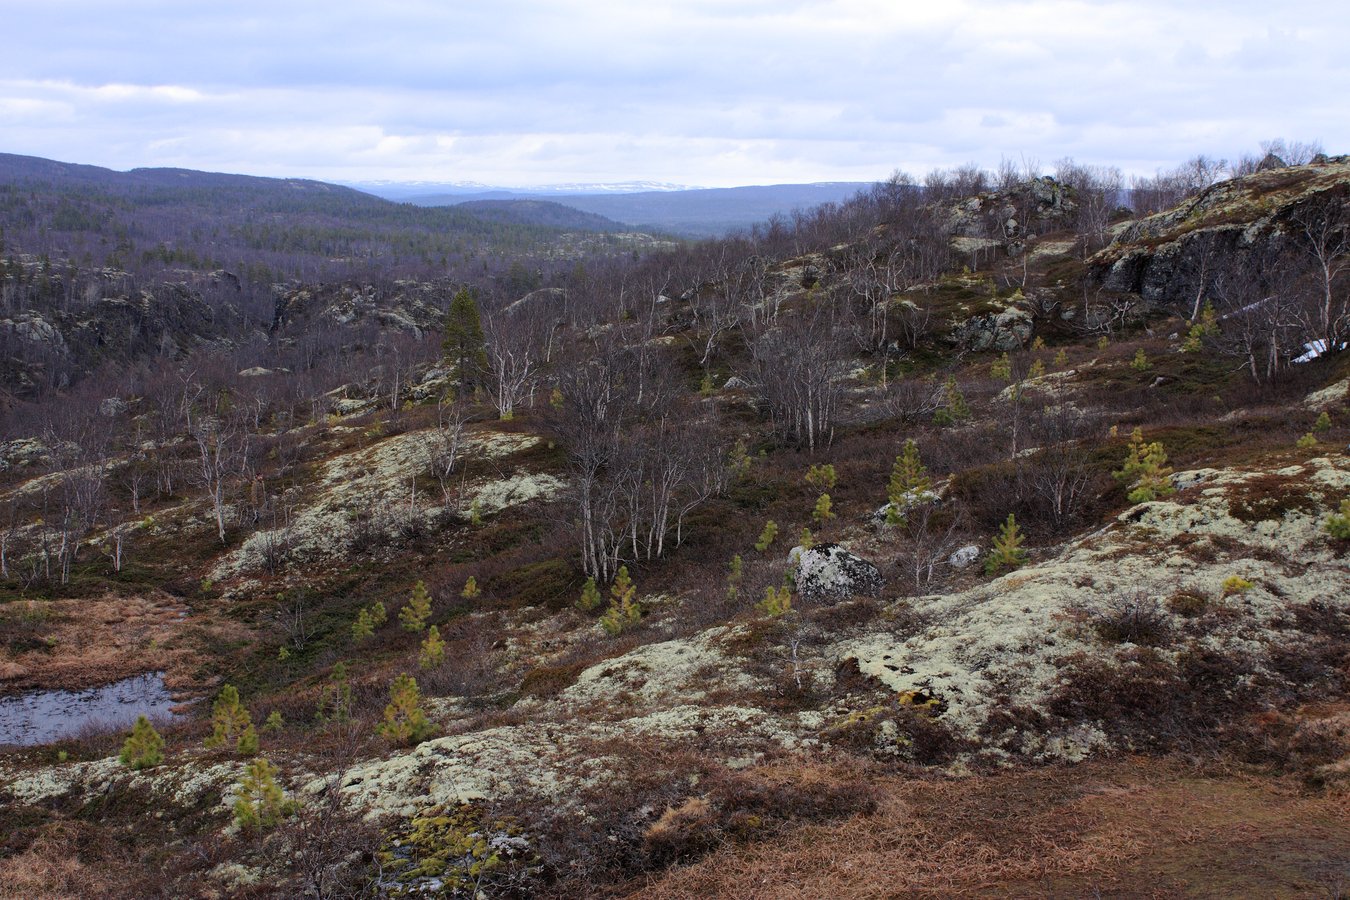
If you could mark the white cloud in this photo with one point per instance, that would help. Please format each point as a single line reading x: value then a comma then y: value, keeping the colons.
x: 699, y: 91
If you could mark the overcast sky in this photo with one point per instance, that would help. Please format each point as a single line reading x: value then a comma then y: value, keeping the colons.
x: 699, y: 92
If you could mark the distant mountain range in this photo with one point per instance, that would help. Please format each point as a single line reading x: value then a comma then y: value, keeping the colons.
x: 685, y: 211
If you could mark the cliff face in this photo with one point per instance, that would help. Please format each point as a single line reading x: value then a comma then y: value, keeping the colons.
x: 1250, y: 222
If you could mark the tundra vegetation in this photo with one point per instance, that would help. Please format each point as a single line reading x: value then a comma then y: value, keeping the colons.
x: 1064, y: 463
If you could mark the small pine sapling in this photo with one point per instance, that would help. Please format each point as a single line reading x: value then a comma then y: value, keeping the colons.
x: 822, y: 478
x: 475, y: 513
x: 1338, y: 524
x: 1001, y: 368
x: 362, y: 628
x: 823, y: 511
x: 1037, y: 369
x: 229, y: 718
x: 1145, y: 470
x: 274, y: 721
x: 417, y: 610
x: 335, y: 700
x: 1323, y: 423
x: 807, y: 540
x: 247, y: 745
x: 1140, y: 362
x: 624, y: 610
x: 954, y: 410
x: 1207, y: 325
x: 734, y: 579
x: 144, y: 748
x: 1307, y: 442
x: 433, y: 649
x: 776, y: 602
x: 259, y: 802
x: 404, y: 721
x: 766, y: 537
x: 1008, y: 551
x: 909, y: 483
x: 1061, y: 358
x: 1236, y: 584
x: 590, y: 596
x: 470, y: 588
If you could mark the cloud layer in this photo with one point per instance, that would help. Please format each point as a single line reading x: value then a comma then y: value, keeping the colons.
x: 709, y: 92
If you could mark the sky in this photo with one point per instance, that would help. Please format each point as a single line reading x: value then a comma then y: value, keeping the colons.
x: 699, y: 92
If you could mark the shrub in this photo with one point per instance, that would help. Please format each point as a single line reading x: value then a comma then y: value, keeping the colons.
x: 1236, y: 584
x: 1187, y: 604
x: 144, y: 748
x: 1008, y: 551
x: 404, y: 721
x: 417, y: 610
x: 1132, y: 620
x: 1145, y: 470
x: 259, y: 802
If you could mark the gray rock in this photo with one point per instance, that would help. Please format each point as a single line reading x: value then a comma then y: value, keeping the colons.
x: 1004, y: 331
x: 964, y: 557
x: 829, y: 572
x: 111, y: 407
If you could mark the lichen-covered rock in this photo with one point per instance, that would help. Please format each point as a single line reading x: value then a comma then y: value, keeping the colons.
x: 964, y: 557
x: 1004, y: 331
x: 829, y: 572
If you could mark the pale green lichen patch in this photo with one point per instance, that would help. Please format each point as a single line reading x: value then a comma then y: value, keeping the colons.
x: 1007, y: 641
x: 372, y: 488
x: 554, y: 761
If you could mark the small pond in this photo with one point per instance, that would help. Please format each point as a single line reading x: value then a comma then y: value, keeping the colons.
x: 40, y: 717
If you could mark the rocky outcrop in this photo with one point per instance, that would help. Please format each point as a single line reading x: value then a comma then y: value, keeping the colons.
x: 1245, y: 222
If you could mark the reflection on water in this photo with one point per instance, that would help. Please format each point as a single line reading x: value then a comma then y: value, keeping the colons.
x: 41, y: 717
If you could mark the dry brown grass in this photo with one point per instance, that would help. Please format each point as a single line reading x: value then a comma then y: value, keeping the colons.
x: 97, y: 641
x: 50, y: 869
x: 1125, y: 828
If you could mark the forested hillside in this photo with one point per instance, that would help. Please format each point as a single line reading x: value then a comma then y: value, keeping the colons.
x: 982, y: 533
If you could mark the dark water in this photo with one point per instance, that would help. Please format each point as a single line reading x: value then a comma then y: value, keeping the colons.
x: 40, y: 717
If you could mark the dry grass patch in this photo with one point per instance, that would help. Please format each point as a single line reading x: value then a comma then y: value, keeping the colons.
x: 1134, y: 827
x: 88, y: 643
